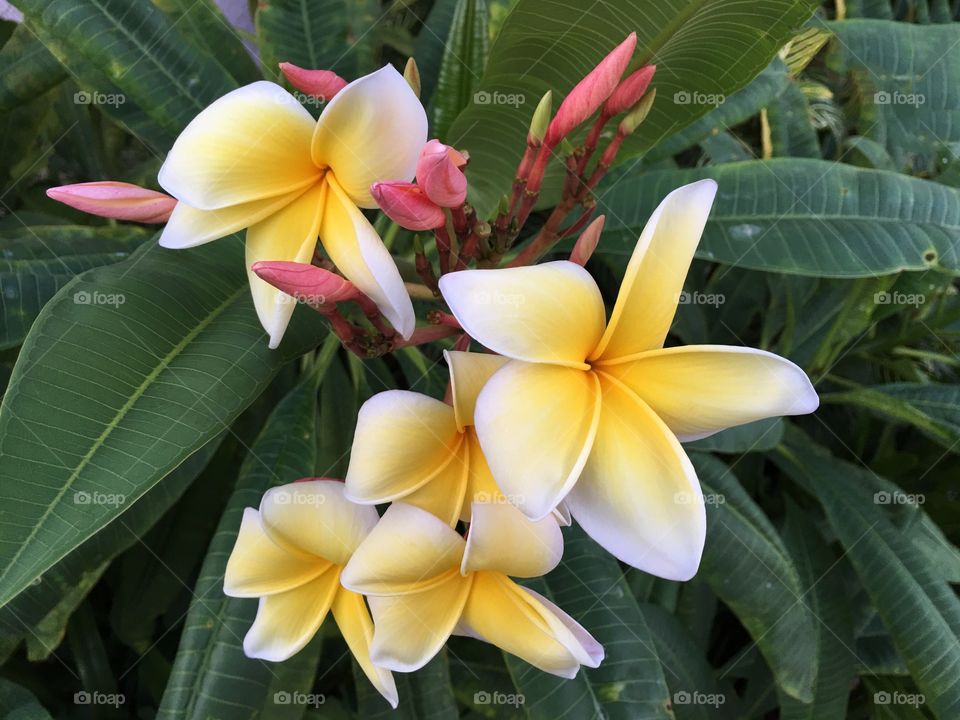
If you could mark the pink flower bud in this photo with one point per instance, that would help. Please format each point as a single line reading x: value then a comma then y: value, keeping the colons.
x: 407, y: 205
x: 589, y: 93
x: 587, y: 242
x: 629, y: 92
x: 439, y: 174
x: 319, y: 83
x: 118, y: 200
x: 318, y: 288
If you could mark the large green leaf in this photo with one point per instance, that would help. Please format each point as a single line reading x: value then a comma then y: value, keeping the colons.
x: 426, y: 694
x: 551, y: 44
x: 211, y: 676
x: 126, y: 372
x: 805, y: 217
x: 747, y: 565
x: 464, y: 57
x: 27, y: 69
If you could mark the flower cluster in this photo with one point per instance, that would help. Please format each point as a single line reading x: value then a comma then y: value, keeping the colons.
x: 561, y: 415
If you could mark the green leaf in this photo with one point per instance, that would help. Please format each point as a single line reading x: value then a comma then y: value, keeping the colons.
x: 110, y: 395
x: 747, y: 565
x: 430, y: 44
x: 426, y: 694
x: 804, y: 217
x: 753, y: 437
x: 18, y: 703
x: 39, y: 260
x: 919, y: 609
x: 211, y: 676
x: 27, y: 69
x: 551, y: 44
x: 863, y: 151
x: 791, y: 132
x: 464, y: 57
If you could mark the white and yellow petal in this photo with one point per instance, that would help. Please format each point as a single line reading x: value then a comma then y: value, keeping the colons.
x: 353, y: 619
x: 548, y: 313
x: 314, y: 517
x: 502, y: 539
x: 289, y: 234
x: 372, y: 131
x: 654, y: 278
x: 358, y: 252
x: 251, y: 144
x: 287, y: 621
x: 445, y: 494
x: 402, y: 441
x: 536, y: 425
x: 258, y: 566
x: 638, y: 495
x: 408, y: 551
x: 469, y: 372
x: 698, y: 390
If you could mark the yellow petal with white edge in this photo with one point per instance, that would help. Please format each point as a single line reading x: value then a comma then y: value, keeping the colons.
x: 654, y: 278
x: 314, y: 517
x: 503, y: 539
x: 359, y: 253
x: 444, y: 495
x: 536, y: 425
x: 481, y: 487
x: 409, y: 550
x: 286, y: 622
x: 189, y: 227
x: 527, y: 625
x: 403, y: 440
x: 372, y: 131
x: 639, y: 497
x: 251, y: 144
x: 258, y: 566
x: 469, y: 372
x: 355, y: 625
x: 410, y: 629
x: 698, y: 390
x: 548, y: 313
x: 289, y: 234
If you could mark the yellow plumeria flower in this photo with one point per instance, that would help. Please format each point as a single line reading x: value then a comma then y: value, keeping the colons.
x: 256, y: 159
x: 414, y: 448
x: 593, y: 412
x: 424, y: 582
x: 290, y: 554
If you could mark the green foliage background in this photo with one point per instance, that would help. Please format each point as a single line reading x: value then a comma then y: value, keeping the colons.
x: 827, y: 584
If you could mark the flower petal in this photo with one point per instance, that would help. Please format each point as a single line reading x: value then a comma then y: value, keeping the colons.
x: 444, y: 495
x: 403, y: 440
x: 286, y: 622
x: 189, y: 227
x: 536, y: 425
x: 551, y: 313
x: 314, y: 517
x: 410, y: 629
x: 409, y: 550
x: 359, y: 253
x: 654, y: 279
x: 251, y: 144
x: 638, y: 495
x: 290, y: 234
x: 469, y: 372
x: 373, y: 130
x: 698, y: 390
x: 503, y: 539
x: 518, y: 622
x: 355, y: 625
x: 258, y: 566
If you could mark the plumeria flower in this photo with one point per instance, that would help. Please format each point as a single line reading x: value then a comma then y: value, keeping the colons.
x: 593, y: 412
x: 417, y: 449
x: 256, y: 159
x: 424, y: 582
x: 290, y: 553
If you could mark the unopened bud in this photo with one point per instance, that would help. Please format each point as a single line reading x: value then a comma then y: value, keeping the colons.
x: 411, y: 73
x: 117, y: 200
x: 587, y: 242
x: 541, y: 119
x: 322, y: 84
x: 314, y: 286
x: 630, y: 91
x: 407, y: 205
x: 638, y: 114
x: 439, y: 174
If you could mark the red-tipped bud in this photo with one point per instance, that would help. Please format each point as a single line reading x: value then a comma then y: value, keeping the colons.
x: 314, y: 286
x: 439, y: 174
x: 407, y: 205
x: 587, y: 242
x: 629, y: 92
x: 117, y: 200
x: 590, y: 93
x: 323, y: 84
